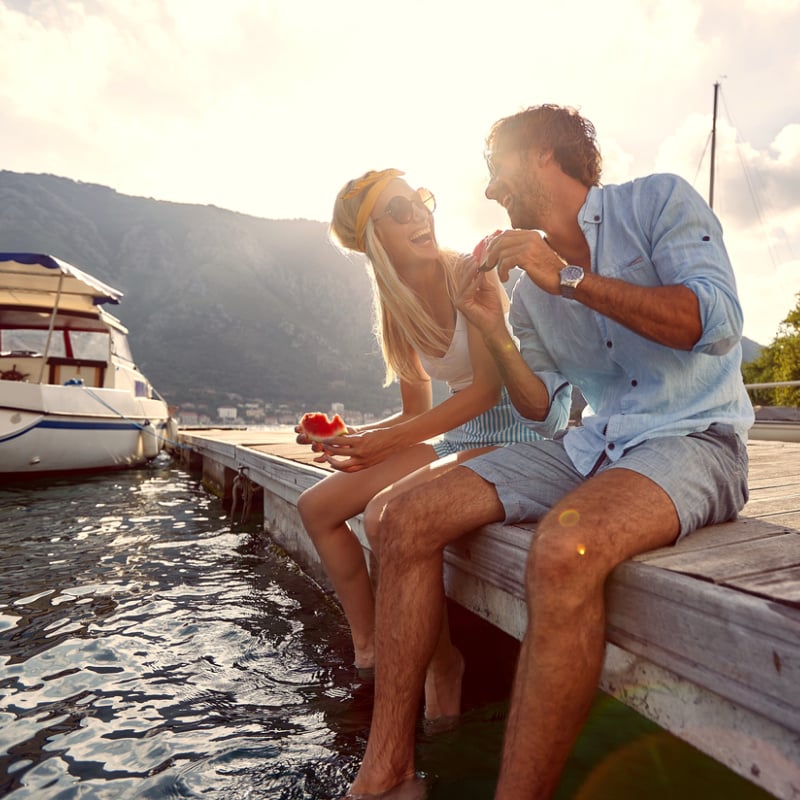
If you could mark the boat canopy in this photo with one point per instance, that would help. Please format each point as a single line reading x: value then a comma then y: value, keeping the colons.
x: 39, y: 273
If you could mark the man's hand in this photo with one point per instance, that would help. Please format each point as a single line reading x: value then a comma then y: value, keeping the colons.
x: 530, y: 251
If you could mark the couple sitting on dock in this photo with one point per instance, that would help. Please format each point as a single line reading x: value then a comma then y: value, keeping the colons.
x: 627, y: 293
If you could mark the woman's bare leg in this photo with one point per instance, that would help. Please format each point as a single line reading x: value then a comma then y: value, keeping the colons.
x: 325, y: 509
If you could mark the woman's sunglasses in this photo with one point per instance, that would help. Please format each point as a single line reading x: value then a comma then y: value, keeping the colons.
x: 401, y: 209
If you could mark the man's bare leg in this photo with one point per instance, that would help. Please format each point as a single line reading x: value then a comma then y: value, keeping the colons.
x: 446, y: 668
x: 607, y: 520
x: 415, y: 529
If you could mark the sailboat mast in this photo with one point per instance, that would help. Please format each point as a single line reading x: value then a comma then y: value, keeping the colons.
x: 713, y: 146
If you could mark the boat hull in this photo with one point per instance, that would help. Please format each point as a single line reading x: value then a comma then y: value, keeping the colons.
x: 53, y: 429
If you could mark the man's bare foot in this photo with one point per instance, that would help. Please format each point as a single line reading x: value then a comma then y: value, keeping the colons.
x: 412, y: 788
x: 443, y: 687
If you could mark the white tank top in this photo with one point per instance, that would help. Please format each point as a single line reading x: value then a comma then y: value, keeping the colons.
x: 455, y: 366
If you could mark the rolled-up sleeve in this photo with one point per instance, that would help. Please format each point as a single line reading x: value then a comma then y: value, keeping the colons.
x: 688, y: 249
x: 721, y: 316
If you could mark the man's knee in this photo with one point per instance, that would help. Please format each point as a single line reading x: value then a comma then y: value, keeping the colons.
x: 562, y: 565
x: 398, y: 519
x: 424, y: 520
x: 404, y: 528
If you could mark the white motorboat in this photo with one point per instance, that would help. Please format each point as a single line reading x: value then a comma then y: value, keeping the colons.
x: 71, y: 396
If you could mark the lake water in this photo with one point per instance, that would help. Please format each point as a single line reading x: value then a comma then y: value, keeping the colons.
x: 150, y: 649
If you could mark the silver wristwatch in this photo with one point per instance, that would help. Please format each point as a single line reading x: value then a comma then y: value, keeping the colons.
x: 571, y: 276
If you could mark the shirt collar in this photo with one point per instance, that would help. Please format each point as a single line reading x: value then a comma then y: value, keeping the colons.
x: 591, y: 212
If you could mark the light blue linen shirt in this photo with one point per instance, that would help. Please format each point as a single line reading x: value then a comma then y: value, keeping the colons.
x: 654, y: 231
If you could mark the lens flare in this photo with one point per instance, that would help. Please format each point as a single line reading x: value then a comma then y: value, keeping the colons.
x: 569, y: 518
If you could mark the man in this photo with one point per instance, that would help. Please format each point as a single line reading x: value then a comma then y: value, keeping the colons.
x: 629, y: 295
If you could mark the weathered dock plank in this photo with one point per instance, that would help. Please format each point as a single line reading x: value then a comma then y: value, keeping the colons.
x: 703, y: 637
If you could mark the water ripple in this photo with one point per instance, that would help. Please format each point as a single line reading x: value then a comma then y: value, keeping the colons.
x: 149, y: 651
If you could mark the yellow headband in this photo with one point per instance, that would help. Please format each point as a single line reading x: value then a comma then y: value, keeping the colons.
x: 375, y: 182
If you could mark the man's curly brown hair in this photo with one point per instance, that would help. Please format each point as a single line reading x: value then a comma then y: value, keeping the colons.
x: 559, y: 129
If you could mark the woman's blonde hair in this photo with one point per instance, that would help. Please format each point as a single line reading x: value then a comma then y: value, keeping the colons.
x: 401, y: 323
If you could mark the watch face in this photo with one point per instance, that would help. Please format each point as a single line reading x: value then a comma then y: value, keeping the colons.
x: 571, y: 273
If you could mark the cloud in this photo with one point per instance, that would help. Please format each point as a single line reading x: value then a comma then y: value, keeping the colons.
x: 267, y: 107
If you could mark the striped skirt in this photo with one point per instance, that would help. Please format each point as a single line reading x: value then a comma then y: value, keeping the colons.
x: 499, y: 426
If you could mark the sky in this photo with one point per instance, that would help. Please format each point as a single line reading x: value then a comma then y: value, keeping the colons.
x: 268, y: 107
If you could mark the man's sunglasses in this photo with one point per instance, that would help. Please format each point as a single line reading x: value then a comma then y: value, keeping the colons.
x: 401, y: 209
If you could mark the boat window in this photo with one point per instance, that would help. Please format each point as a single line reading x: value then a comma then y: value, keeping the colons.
x: 120, y: 347
x: 89, y: 344
x: 24, y: 340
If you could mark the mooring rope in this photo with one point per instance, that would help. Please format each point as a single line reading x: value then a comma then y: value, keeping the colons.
x: 133, y: 422
x: 243, y: 486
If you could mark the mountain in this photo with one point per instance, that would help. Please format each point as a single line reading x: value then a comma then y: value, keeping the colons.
x: 217, y: 303
x: 750, y: 350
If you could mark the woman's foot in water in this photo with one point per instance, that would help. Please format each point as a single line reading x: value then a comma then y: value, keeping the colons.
x: 443, y: 691
x: 364, y: 661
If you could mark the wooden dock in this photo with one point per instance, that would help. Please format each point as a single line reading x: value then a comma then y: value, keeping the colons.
x: 703, y: 638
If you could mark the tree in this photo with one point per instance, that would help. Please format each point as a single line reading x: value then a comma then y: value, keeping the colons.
x: 780, y: 361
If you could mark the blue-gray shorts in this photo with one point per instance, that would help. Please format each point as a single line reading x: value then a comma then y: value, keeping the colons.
x: 704, y: 474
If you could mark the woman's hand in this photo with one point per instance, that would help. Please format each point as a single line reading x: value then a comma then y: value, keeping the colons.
x: 360, y: 450
x: 316, y: 447
x: 478, y: 299
x: 302, y: 438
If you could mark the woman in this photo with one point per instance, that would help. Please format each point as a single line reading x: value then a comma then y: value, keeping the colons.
x: 422, y: 336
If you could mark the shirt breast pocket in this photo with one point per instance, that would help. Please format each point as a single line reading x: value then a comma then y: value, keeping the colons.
x: 638, y: 269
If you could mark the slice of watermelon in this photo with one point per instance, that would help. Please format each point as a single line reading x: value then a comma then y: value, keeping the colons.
x: 317, y: 426
x: 479, y: 253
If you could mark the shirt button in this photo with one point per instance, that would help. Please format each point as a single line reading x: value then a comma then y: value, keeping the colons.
x: 611, y: 445
x: 609, y: 344
x: 634, y: 383
x: 597, y: 218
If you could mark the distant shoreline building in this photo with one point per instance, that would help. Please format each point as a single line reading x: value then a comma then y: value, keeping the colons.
x: 228, y: 413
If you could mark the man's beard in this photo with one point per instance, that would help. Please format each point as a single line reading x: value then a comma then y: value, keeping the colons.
x: 529, y: 207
